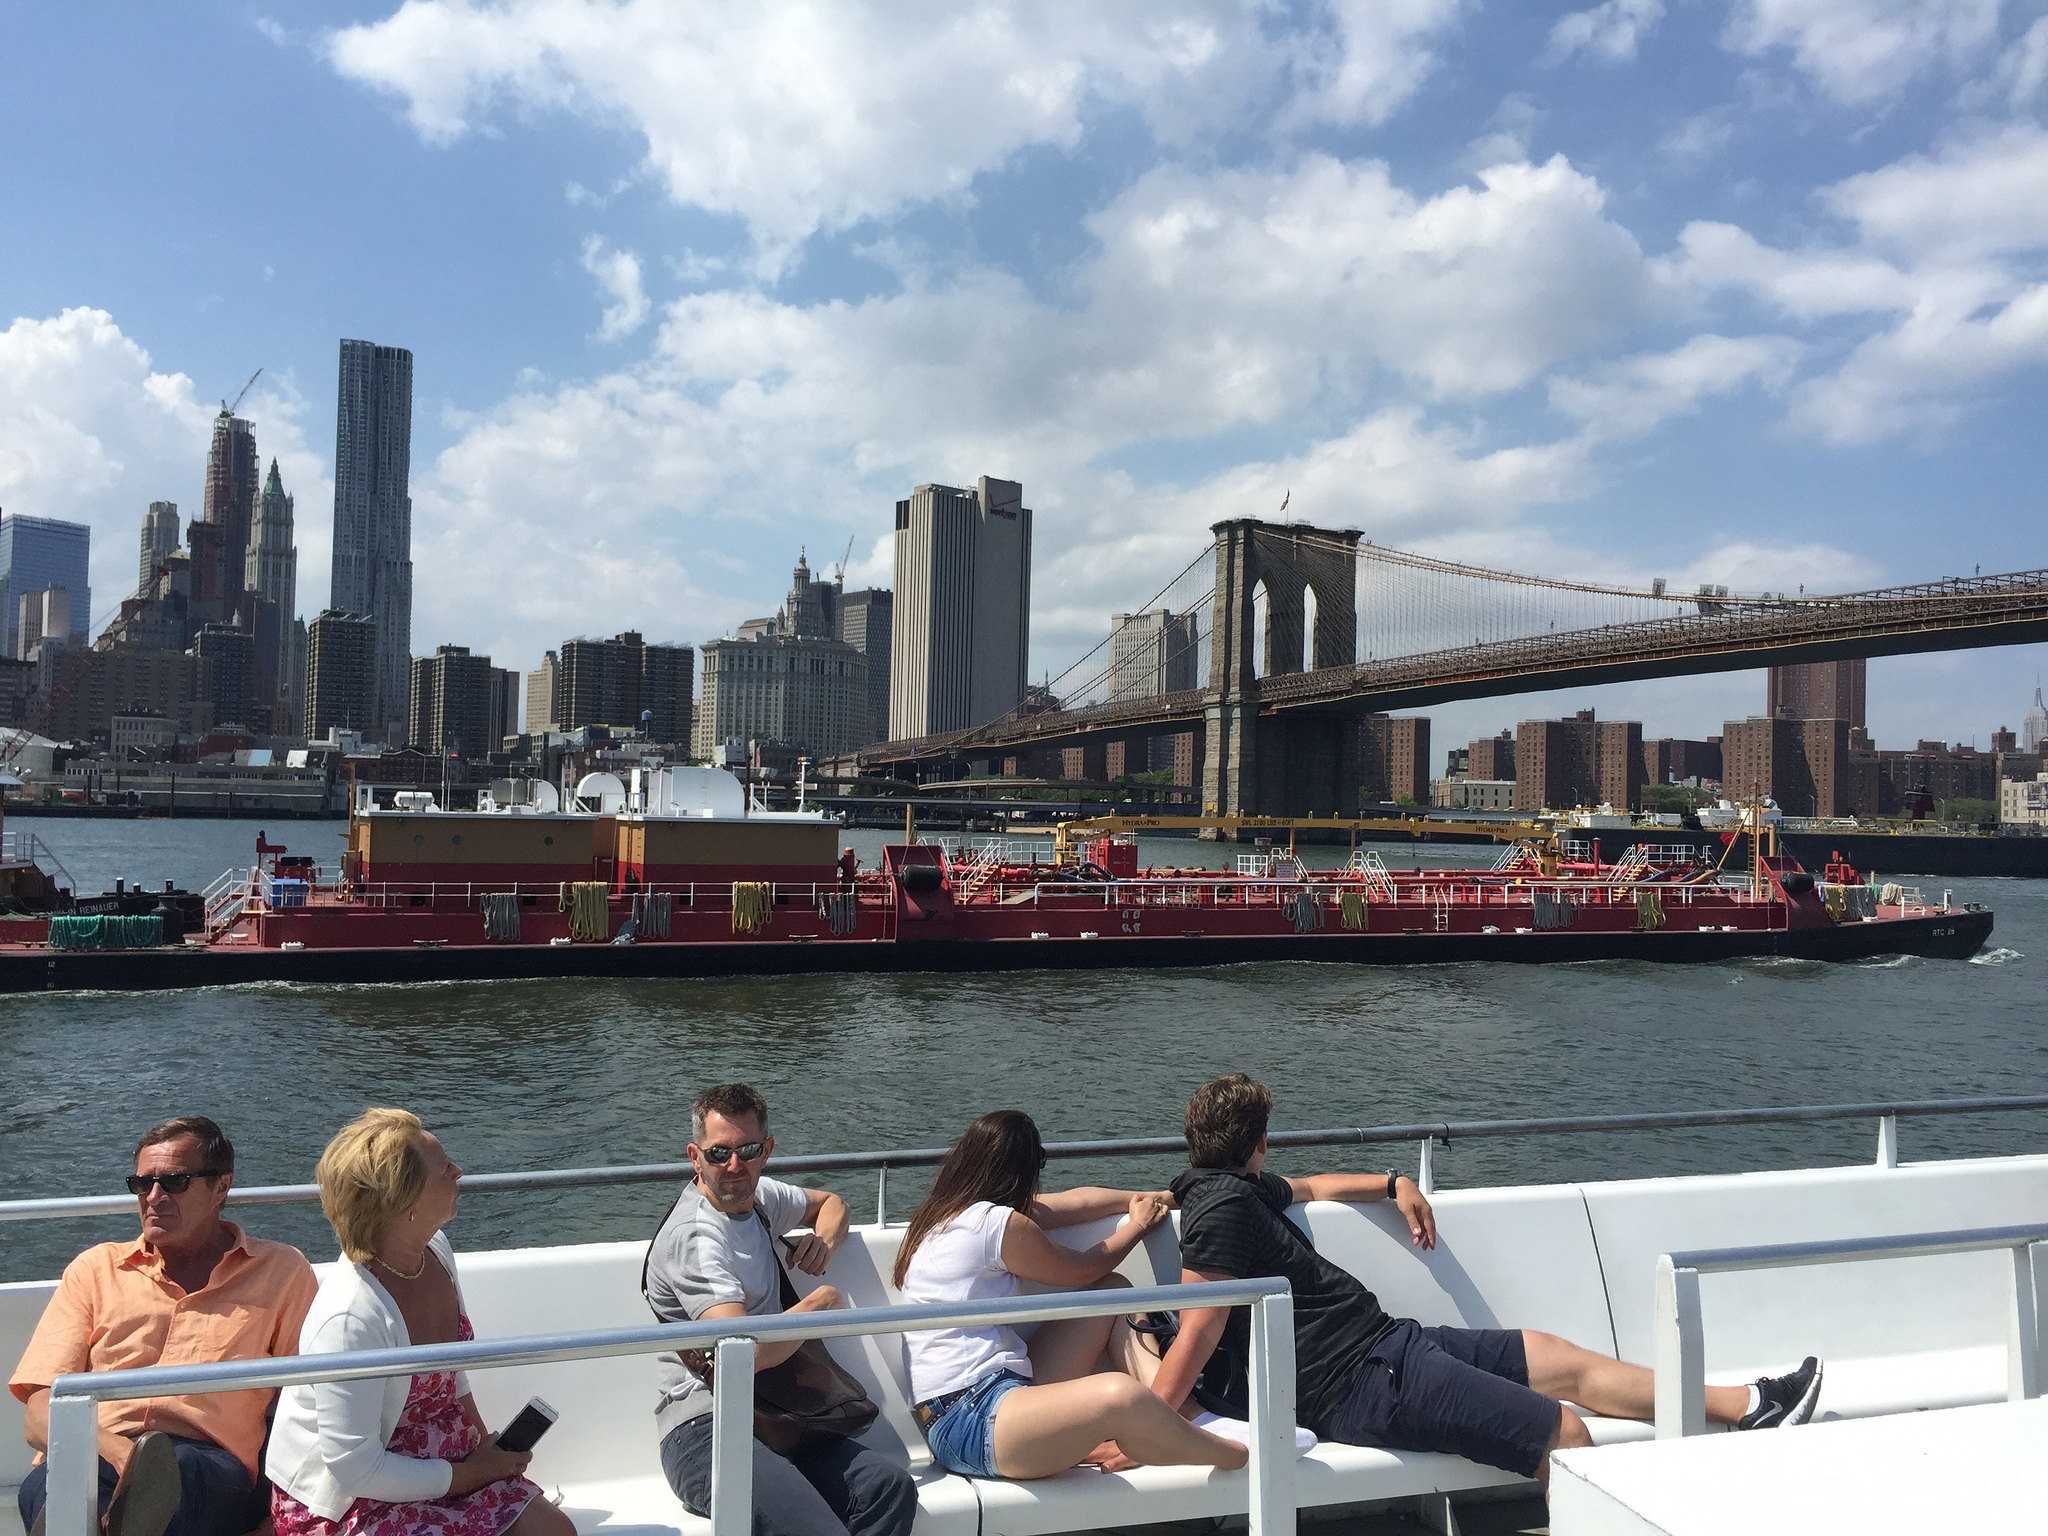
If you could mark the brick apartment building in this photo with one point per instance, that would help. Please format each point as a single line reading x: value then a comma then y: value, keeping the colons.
x: 1393, y: 758
x: 1492, y: 758
x: 1580, y: 761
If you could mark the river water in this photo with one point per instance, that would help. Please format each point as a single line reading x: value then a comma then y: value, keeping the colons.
x: 560, y: 1074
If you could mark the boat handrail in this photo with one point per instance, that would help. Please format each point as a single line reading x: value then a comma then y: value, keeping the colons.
x: 1430, y: 1134
x: 1681, y: 1404
x: 75, y: 1396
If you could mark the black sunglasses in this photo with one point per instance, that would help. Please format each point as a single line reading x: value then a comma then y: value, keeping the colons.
x: 173, y: 1183
x: 747, y: 1151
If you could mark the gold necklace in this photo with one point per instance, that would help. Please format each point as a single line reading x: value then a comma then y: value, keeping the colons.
x: 418, y: 1269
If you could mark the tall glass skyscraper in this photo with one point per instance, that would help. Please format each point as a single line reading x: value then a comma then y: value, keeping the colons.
x: 373, y: 515
x: 37, y: 553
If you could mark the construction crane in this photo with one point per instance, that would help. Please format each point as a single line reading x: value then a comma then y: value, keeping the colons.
x: 228, y: 409
x: 839, y: 570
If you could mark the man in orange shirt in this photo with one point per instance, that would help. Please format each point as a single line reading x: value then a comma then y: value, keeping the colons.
x: 191, y: 1290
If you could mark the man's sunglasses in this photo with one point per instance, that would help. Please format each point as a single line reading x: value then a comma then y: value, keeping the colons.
x: 746, y: 1151
x: 173, y: 1183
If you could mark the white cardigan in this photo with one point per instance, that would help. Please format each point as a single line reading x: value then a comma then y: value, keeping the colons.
x: 328, y: 1443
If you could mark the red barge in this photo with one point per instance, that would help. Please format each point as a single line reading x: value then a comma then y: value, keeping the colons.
x: 676, y: 873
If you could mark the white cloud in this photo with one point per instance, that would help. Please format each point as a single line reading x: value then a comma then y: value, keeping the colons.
x: 1508, y: 132
x: 796, y: 120
x: 1861, y: 52
x: 1976, y: 197
x: 91, y: 432
x: 2022, y: 72
x: 1610, y: 31
x: 1371, y: 61
x: 1475, y: 290
x: 1634, y: 395
x: 1699, y: 138
x: 1807, y: 285
x: 618, y: 281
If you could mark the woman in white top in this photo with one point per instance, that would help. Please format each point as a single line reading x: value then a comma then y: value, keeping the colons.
x: 989, y: 1404
x: 404, y: 1455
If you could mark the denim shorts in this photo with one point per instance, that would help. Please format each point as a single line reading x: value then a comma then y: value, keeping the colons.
x: 962, y: 1429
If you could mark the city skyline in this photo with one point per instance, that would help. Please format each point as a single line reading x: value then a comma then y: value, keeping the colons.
x: 1603, y: 291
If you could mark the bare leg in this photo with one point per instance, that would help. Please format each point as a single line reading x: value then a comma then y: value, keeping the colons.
x: 1074, y: 1346
x: 540, y: 1518
x: 1571, y: 1431
x: 1611, y: 1388
x: 1046, y: 1429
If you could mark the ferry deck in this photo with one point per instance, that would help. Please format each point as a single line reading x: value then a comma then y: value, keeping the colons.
x: 1915, y: 1281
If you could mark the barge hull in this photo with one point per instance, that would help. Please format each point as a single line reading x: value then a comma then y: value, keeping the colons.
x: 1953, y: 935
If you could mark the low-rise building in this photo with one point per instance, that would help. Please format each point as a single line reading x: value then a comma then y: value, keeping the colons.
x: 1473, y: 794
x: 2023, y: 802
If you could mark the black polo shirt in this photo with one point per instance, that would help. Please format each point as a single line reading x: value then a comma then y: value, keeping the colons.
x: 1235, y: 1224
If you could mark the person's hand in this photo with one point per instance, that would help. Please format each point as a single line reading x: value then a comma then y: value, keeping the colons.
x: 822, y: 1298
x: 488, y: 1463
x: 1108, y: 1457
x: 1147, y: 1211
x: 1414, y: 1206
x: 810, y: 1253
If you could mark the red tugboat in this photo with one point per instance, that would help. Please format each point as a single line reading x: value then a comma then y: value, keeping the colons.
x: 677, y: 873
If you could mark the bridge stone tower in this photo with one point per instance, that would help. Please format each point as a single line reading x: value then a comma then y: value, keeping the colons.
x: 1300, y: 762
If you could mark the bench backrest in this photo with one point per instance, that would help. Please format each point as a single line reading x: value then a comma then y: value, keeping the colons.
x: 1759, y: 1320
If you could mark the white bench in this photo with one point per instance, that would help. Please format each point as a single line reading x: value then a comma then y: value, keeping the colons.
x: 1576, y: 1260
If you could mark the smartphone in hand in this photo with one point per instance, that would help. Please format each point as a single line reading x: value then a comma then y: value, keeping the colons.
x: 524, y: 1432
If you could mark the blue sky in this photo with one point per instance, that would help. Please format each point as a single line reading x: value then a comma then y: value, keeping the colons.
x: 1748, y: 291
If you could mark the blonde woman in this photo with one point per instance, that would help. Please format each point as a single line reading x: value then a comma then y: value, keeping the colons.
x: 406, y: 1454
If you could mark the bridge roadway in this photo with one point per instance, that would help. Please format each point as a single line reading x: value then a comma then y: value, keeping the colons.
x: 1733, y: 635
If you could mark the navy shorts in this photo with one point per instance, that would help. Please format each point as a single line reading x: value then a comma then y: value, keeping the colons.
x: 1462, y: 1390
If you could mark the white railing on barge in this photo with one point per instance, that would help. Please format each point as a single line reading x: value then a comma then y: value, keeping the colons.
x: 75, y: 1396
x: 27, y: 848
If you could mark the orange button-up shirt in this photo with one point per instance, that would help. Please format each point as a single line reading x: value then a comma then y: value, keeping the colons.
x: 116, y: 1309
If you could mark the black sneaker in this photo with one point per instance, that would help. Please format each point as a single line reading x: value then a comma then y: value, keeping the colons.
x: 1785, y: 1400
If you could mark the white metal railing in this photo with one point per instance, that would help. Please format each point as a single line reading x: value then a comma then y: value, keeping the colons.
x: 75, y: 1396
x: 225, y: 898
x: 1681, y: 1344
x: 27, y: 848
x: 1428, y: 1134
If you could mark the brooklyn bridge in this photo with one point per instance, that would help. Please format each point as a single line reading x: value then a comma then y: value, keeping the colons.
x: 1266, y: 649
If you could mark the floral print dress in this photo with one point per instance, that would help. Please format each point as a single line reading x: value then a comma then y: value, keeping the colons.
x: 431, y: 1426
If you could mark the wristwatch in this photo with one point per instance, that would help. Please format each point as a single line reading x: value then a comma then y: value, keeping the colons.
x: 1391, y: 1178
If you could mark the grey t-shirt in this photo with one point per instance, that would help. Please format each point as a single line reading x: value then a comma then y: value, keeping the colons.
x: 701, y: 1258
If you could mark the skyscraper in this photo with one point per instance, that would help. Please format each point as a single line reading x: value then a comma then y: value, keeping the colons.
x: 232, y: 468
x: 866, y: 621
x: 1819, y: 690
x: 159, y: 542
x: 373, y: 514
x: 271, y: 569
x: 962, y: 630
x: 37, y: 553
x: 540, y: 697
x: 1151, y: 654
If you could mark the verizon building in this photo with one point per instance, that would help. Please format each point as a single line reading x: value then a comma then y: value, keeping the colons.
x: 962, y: 628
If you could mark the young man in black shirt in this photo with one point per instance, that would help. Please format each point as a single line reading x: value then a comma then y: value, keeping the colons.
x: 1495, y: 1395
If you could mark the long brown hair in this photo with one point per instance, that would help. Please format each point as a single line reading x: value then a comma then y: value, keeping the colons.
x: 998, y: 1159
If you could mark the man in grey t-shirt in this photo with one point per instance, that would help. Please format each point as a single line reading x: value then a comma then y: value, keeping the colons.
x: 715, y: 1256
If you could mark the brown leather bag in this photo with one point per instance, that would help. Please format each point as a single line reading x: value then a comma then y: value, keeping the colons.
x: 809, y: 1396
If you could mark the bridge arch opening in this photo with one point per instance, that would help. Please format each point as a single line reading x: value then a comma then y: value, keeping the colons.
x: 1308, y: 628
x: 1262, y: 632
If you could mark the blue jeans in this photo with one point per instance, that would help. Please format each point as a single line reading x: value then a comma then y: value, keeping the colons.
x: 826, y: 1488
x: 962, y: 1434
x: 215, y: 1495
